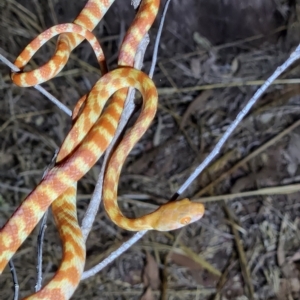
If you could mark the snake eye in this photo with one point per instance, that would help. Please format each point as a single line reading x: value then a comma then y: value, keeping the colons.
x: 185, y: 220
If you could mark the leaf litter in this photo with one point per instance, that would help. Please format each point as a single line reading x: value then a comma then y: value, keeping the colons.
x: 187, y: 126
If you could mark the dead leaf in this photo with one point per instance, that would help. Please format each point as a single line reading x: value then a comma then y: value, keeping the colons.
x: 293, y: 147
x: 200, y: 260
x: 204, y: 278
x: 196, y: 67
x: 193, y: 263
x: 280, y: 248
x: 243, y: 183
x: 148, y: 295
x: 280, y: 255
x: 39, y: 121
x: 296, y: 256
x: 133, y: 277
x: 295, y: 285
x: 233, y: 68
x: 151, y: 273
x: 185, y: 261
x: 292, y: 154
x: 142, y: 163
x: 287, y: 286
x: 202, y: 41
x: 5, y: 158
x: 267, y: 176
x: 195, y: 106
x: 167, y: 166
x: 235, y: 65
x: 266, y: 117
x: 157, y: 135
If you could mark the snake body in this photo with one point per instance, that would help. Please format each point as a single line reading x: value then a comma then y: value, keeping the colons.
x: 91, y: 133
x: 88, y: 18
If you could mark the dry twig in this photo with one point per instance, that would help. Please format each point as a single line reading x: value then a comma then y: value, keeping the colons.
x: 242, y: 255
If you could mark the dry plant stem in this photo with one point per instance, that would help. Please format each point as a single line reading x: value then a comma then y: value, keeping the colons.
x: 15, y: 279
x: 248, y: 158
x: 276, y: 190
x: 164, y: 292
x: 242, y: 255
x: 60, y: 105
x: 173, y: 90
x: 39, y: 276
x: 14, y: 188
x: 114, y: 255
x: 200, y: 260
x: 281, y: 241
x: 170, y: 79
x: 43, y: 227
x: 135, y: 3
x: 224, y: 277
x: 157, y: 40
x: 293, y: 57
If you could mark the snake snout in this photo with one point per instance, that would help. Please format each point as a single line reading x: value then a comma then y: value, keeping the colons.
x: 196, y: 211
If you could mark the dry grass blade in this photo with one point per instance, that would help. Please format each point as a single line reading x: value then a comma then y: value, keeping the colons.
x: 248, y: 158
x: 281, y: 241
x: 276, y: 190
x: 200, y: 260
x: 224, y: 278
x: 242, y: 255
x: 170, y: 91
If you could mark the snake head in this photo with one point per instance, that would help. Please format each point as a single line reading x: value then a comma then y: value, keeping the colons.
x: 177, y: 214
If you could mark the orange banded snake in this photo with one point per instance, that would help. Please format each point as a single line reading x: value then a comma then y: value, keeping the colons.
x: 85, y: 143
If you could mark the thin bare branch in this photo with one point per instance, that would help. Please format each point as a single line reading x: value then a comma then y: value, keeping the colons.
x: 214, y: 86
x: 41, y: 235
x: 15, y: 280
x: 157, y: 40
x: 54, y: 100
x: 39, y: 275
x: 293, y: 57
x: 114, y: 255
